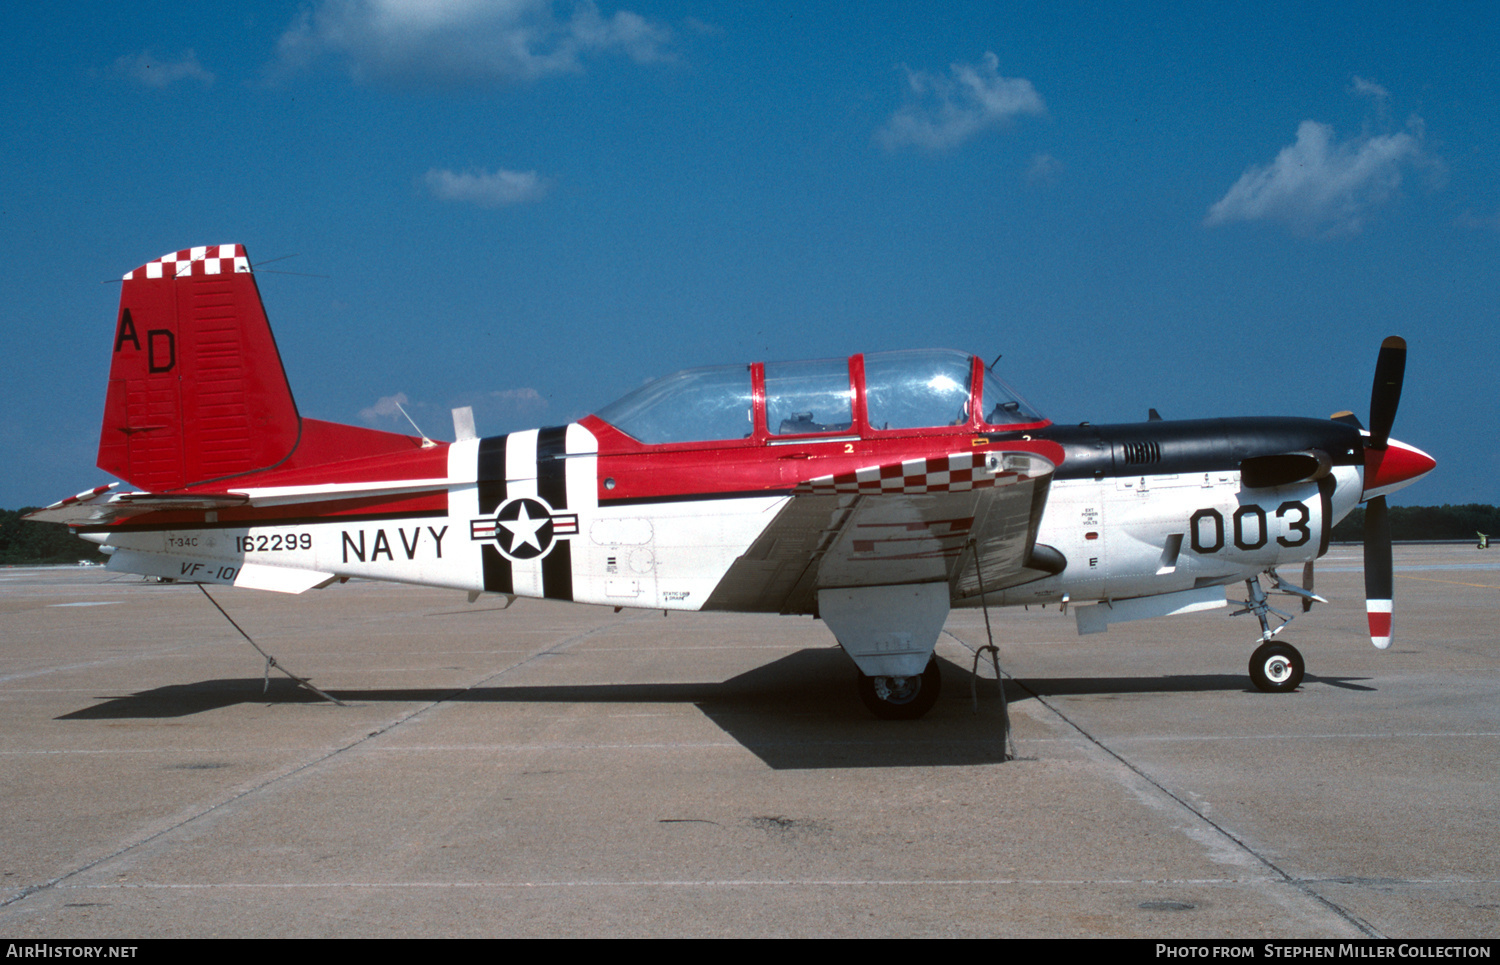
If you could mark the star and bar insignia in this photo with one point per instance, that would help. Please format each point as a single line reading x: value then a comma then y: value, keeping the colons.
x: 525, y: 528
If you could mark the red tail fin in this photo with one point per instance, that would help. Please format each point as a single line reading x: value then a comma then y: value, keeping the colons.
x: 196, y: 388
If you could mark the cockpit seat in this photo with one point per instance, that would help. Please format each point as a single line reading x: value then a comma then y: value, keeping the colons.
x: 802, y: 422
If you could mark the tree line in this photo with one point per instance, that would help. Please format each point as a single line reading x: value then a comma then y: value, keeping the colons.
x: 27, y: 541
x: 1427, y: 523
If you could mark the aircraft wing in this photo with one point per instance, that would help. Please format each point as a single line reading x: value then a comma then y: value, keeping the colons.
x: 946, y: 519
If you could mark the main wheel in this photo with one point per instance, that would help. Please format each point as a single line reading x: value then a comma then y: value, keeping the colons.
x: 1276, y: 667
x: 902, y: 698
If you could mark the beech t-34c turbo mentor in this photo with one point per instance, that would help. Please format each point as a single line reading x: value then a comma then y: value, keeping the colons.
x: 874, y: 492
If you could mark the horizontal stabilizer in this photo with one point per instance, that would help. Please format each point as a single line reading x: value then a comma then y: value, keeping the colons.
x: 101, y: 507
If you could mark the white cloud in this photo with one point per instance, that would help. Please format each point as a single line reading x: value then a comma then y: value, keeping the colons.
x: 640, y: 39
x: 1319, y: 185
x: 466, y: 41
x: 1368, y: 88
x: 943, y: 112
x: 158, y: 73
x: 1473, y: 220
x: 385, y: 407
x: 1044, y: 169
x: 485, y: 189
x: 505, y: 410
x: 518, y: 400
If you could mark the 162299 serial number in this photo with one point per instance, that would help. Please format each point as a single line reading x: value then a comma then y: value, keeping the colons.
x: 272, y: 542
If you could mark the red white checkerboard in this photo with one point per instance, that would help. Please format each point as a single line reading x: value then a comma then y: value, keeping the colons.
x: 203, y: 260
x: 956, y: 473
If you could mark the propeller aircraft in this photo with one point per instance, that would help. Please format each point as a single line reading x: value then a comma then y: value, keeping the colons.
x: 875, y: 492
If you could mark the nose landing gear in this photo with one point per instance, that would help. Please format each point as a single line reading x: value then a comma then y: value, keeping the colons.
x: 1276, y: 667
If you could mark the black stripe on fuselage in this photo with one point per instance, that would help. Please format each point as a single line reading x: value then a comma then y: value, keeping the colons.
x: 552, y: 487
x: 1190, y: 445
x: 551, y: 466
x: 497, y: 572
x: 491, y: 484
x: 491, y: 473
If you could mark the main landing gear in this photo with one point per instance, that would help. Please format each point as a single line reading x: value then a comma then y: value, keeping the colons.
x: 1276, y: 667
x: 902, y: 698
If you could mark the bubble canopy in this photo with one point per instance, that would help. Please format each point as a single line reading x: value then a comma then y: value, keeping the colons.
x: 862, y: 396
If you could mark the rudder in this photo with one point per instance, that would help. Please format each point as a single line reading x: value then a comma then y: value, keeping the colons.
x: 197, y: 392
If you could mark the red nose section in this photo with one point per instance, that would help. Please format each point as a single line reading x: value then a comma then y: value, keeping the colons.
x: 1398, y: 465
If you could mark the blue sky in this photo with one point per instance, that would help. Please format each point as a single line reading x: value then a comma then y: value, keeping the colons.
x: 530, y: 206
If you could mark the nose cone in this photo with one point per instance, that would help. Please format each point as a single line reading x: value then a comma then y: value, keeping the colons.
x: 1396, y: 466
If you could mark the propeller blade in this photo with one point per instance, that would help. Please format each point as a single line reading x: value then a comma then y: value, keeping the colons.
x: 1307, y: 584
x: 1378, y: 571
x: 1385, y: 394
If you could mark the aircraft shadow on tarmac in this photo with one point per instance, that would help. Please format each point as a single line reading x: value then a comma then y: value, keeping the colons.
x: 797, y: 712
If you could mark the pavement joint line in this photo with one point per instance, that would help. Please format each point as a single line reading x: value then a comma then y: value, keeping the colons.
x: 100, y: 662
x: 1297, y: 883
x: 203, y: 812
x: 1424, y: 579
x: 1383, y: 735
x: 528, y: 747
x: 648, y: 648
x: 669, y: 883
x: 753, y: 882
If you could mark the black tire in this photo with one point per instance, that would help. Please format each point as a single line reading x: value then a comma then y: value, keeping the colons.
x: 902, y: 698
x: 1276, y: 668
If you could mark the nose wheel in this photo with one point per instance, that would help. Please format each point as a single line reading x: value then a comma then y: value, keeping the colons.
x: 1276, y: 667
x: 902, y: 698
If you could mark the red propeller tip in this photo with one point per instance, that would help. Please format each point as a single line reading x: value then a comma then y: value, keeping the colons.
x: 1379, y: 613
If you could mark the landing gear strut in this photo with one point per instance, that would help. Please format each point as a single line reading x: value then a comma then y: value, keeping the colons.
x: 902, y: 698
